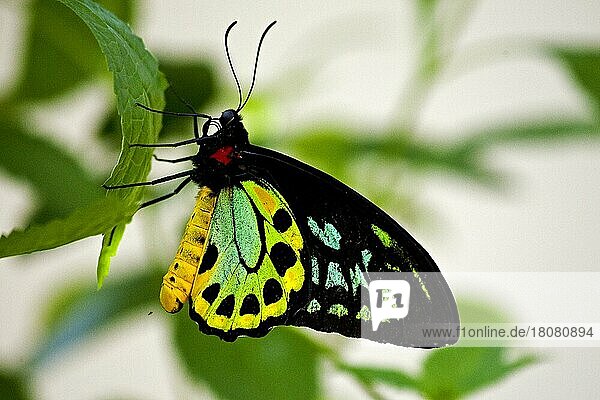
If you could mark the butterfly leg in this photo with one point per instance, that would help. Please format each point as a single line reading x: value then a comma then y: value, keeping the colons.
x: 196, y: 132
x: 153, y: 182
x: 195, y: 115
x: 176, y: 144
x: 177, y: 160
x: 176, y: 114
x: 168, y: 195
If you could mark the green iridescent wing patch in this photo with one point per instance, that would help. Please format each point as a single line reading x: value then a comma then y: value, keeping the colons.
x: 251, y: 266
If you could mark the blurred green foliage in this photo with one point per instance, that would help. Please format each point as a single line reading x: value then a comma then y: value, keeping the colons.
x: 583, y: 65
x: 13, y: 386
x: 61, y: 54
x: 46, y: 167
x: 286, y: 361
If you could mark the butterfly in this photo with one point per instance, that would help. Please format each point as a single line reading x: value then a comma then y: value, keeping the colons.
x: 273, y: 241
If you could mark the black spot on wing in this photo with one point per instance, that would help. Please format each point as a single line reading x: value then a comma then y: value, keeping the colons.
x: 226, y: 307
x: 250, y: 305
x: 209, y: 259
x: 282, y: 220
x: 272, y: 291
x: 210, y: 293
x: 283, y: 257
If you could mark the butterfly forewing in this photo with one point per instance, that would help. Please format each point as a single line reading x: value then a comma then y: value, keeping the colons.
x: 349, y: 242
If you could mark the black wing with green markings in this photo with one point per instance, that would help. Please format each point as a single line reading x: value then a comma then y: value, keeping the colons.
x: 350, y: 242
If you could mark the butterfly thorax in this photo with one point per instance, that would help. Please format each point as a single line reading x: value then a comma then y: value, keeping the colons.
x: 218, y: 158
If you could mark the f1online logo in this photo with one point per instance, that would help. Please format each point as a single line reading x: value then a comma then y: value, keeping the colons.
x: 389, y: 299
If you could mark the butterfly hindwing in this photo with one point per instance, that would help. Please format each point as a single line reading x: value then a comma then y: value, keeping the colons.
x: 251, y: 268
x: 348, y: 242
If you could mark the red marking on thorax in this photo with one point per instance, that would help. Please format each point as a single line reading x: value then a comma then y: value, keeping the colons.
x: 223, y: 155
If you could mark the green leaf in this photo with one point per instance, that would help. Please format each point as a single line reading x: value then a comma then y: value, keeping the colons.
x: 535, y: 131
x: 282, y: 365
x: 317, y: 146
x: 93, y: 219
x: 60, y: 182
x: 136, y: 79
x: 59, y: 52
x: 387, y: 376
x: 583, y: 65
x: 110, y: 244
x: 453, y: 373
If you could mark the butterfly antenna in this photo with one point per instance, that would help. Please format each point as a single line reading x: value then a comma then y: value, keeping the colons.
x: 237, y: 82
x: 256, y: 65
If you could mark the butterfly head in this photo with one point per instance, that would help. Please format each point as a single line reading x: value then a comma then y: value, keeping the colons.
x: 231, y: 129
x: 229, y: 117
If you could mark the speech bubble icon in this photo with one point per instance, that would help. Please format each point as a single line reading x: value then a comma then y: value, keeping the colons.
x: 389, y: 299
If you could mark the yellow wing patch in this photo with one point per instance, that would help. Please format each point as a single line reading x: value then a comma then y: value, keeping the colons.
x: 251, y: 263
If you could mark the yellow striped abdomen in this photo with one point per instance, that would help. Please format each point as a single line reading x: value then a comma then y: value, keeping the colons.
x: 177, y: 283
